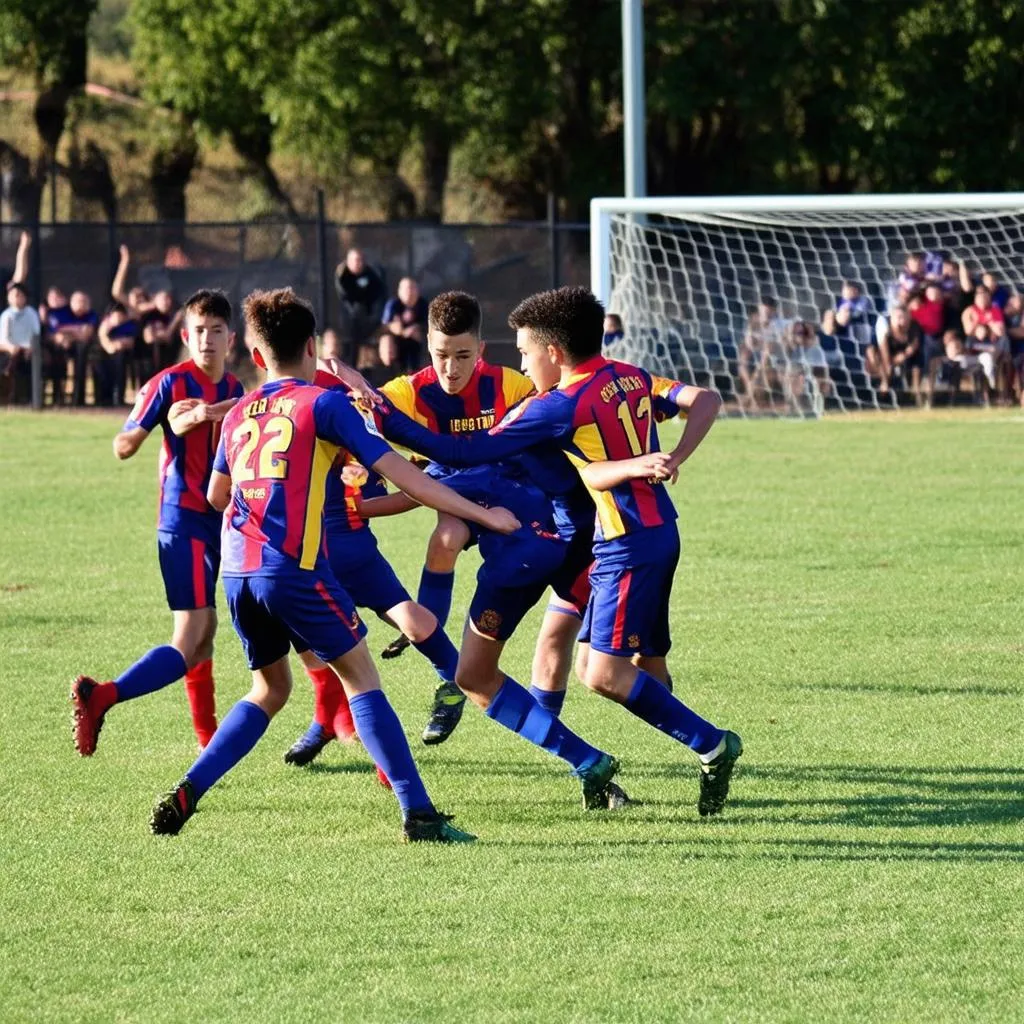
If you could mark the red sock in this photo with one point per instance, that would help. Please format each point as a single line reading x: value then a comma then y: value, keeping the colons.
x: 344, y: 727
x: 327, y: 693
x: 199, y: 688
x: 382, y: 778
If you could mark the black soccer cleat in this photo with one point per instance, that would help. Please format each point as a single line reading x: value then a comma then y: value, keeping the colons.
x: 445, y: 715
x: 714, y: 777
x: 598, y: 794
x: 434, y: 827
x: 173, y: 810
x: 307, y: 747
x: 396, y: 648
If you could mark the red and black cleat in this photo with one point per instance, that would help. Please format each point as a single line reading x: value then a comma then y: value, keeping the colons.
x: 88, y: 709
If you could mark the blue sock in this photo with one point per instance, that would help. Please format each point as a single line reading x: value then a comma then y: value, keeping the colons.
x: 378, y: 727
x: 153, y: 671
x: 515, y: 709
x: 440, y: 652
x: 436, y: 593
x: 550, y: 700
x: 651, y: 701
x: 240, y: 731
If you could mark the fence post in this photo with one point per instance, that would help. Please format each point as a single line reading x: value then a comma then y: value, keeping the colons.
x: 36, y: 274
x: 553, y: 248
x: 321, y: 255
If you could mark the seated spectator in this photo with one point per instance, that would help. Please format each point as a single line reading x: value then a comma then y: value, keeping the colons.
x: 405, y: 316
x: 999, y: 292
x: 159, y: 342
x: 613, y: 330
x: 829, y: 340
x: 1013, y: 313
x: 762, y: 343
x: 361, y: 296
x: 19, y: 337
x: 983, y: 311
x: 80, y: 332
x: 805, y: 361
x: 54, y: 314
x: 853, y: 314
x: 117, y: 333
x: 897, y: 355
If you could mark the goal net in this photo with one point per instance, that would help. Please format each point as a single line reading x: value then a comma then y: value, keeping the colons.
x: 688, y: 276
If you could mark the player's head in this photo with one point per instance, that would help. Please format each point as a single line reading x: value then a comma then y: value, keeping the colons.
x: 281, y: 331
x: 17, y: 297
x: 453, y: 339
x: 555, y: 330
x: 207, y: 331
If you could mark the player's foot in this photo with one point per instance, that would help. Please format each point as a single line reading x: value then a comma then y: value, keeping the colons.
x: 597, y: 783
x: 618, y: 798
x: 449, y: 701
x: 382, y: 778
x: 434, y: 828
x: 714, y: 777
x: 173, y: 810
x: 90, y: 701
x: 307, y: 747
x: 396, y: 648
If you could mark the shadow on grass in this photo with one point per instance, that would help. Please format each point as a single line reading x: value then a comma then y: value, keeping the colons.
x: 895, y: 689
x: 342, y: 768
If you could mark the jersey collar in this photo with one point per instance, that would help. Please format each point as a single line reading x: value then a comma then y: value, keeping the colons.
x: 584, y: 369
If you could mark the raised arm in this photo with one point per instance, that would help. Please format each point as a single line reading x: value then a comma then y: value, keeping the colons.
x: 21, y: 258
x: 117, y: 289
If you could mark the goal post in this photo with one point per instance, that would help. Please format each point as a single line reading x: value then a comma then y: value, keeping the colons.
x: 686, y: 274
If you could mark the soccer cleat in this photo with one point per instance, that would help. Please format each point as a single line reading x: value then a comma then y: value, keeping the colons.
x: 87, y: 715
x: 173, y: 810
x: 618, y: 798
x: 434, y: 827
x: 714, y: 777
x: 449, y: 701
x: 396, y: 648
x: 307, y: 747
x: 597, y: 784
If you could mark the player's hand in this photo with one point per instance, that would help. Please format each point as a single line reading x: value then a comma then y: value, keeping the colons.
x: 217, y: 411
x: 359, y: 386
x: 183, y: 406
x: 500, y: 520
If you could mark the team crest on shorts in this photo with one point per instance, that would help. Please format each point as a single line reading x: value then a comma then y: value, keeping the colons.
x: 490, y: 620
x: 634, y: 641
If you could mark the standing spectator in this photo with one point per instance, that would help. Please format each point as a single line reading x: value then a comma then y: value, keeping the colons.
x: 853, y: 314
x: 762, y: 342
x: 78, y: 334
x: 160, y: 339
x: 117, y: 334
x: 898, y: 353
x: 613, y: 329
x: 999, y: 292
x: 983, y: 311
x: 55, y: 314
x: 19, y: 338
x: 361, y: 295
x: 405, y: 316
x: 929, y: 313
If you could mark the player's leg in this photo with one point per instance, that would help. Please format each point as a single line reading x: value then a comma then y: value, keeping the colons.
x: 332, y: 718
x: 552, y: 657
x: 188, y: 566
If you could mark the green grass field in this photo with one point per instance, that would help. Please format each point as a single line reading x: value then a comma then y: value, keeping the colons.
x: 848, y: 600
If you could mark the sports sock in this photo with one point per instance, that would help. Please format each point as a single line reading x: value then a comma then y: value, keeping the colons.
x: 199, y: 690
x: 156, y: 669
x: 240, y: 731
x: 550, y: 700
x: 381, y: 733
x: 440, y: 652
x: 435, y: 593
x: 327, y: 695
x: 651, y: 701
x: 515, y: 709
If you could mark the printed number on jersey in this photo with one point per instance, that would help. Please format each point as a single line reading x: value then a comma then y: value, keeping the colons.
x: 629, y: 426
x: 263, y: 452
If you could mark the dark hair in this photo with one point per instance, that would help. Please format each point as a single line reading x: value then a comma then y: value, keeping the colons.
x: 208, y: 302
x: 616, y: 319
x: 570, y: 318
x: 454, y: 313
x: 769, y: 300
x: 281, y: 321
x: 17, y: 286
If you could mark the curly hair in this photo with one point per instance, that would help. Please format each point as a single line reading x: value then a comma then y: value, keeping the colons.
x: 454, y: 313
x: 572, y: 319
x: 280, y: 320
x: 209, y: 302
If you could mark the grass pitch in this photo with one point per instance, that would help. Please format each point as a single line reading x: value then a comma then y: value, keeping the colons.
x: 848, y: 600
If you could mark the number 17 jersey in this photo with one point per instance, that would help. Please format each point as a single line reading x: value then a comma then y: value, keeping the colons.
x: 278, y: 445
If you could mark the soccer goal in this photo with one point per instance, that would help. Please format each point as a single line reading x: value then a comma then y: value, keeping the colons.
x: 687, y: 276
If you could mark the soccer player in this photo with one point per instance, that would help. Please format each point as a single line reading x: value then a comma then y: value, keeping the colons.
x: 276, y: 451
x: 604, y: 411
x: 458, y: 394
x: 188, y: 402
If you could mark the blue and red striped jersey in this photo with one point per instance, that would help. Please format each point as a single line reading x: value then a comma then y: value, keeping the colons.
x: 280, y: 445
x: 186, y: 461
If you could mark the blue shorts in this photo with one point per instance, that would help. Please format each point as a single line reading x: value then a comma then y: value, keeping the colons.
x: 631, y: 586
x: 305, y: 610
x: 512, y: 580
x: 363, y: 572
x: 189, y: 567
x: 571, y: 580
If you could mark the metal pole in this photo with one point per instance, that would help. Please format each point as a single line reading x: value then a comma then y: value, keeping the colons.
x: 635, y: 122
x: 321, y: 254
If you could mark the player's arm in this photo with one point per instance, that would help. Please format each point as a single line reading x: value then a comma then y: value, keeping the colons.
x: 700, y: 406
x: 151, y: 405
x: 603, y: 476
x: 189, y: 413
x: 351, y: 378
x: 386, y: 505
x: 128, y: 441
x: 218, y: 490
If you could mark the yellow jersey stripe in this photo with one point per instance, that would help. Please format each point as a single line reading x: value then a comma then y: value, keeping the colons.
x: 324, y: 455
x: 607, y: 511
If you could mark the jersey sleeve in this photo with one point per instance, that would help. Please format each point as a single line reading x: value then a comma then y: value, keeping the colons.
x: 401, y: 394
x: 220, y: 459
x: 340, y: 422
x: 515, y: 387
x: 664, y: 397
x: 389, y: 311
x: 152, y: 405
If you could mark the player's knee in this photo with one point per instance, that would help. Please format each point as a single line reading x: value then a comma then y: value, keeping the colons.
x: 450, y: 536
x: 420, y: 624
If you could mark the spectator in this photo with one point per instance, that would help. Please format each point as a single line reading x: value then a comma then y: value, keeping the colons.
x: 18, y: 274
x: 982, y: 352
x: 1013, y: 313
x: 159, y: 341
x: 929, y: 313
x: 828, y: 338
x: 999, y: 292
x: 853, y: 314
x: 54, y: 314
x: 983, y: 311
x: 805, y: 362
x: 361, y: 295
x: 330, y: 344
x: 897, y: 356
x: 117, y: 334
x: 762, y: 342
x: 613, y: 329
x: 77, y: 335
x: 19, y: 338
x: 911, y: 278
x: 405, y: 316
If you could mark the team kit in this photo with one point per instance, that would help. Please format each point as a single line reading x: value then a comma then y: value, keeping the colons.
x: 555, y: 474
